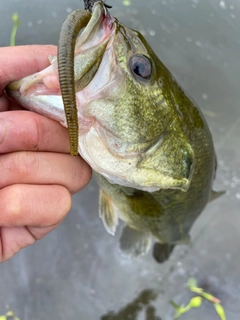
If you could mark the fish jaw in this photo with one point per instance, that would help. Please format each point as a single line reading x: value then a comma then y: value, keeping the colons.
x: 40, y: 93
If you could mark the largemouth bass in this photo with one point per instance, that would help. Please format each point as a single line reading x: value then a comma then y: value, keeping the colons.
x: 148, y: 143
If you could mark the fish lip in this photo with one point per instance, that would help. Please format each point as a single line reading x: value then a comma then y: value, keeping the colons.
x: 99, y: 9
x: 98, y: 30
x: 101, y: 23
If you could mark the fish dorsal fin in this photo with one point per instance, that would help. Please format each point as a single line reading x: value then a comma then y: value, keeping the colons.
x: 216, y: 194
x: 107, y: 212
x: 134, y: 242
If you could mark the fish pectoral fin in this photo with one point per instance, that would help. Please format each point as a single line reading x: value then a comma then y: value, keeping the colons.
x: 162, y: 251
x: 216, y: 194
x: 107, y: 213
x: 134, y: 242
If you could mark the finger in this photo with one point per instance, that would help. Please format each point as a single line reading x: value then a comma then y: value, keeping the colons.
x: 4, y: 103
x: 20, y: 61
x: 13, y: 239
x: 8, y: 104
x: 25, y: 130
x: 44, y: 168
x: 33, y: 206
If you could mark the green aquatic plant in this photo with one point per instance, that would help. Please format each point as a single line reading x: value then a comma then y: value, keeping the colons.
x: 16, y: 25
x: 126, y: 3
x: 196, y: 302
x: 9, y: 315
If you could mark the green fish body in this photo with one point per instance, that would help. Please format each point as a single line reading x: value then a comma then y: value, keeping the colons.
x: 148, y: 143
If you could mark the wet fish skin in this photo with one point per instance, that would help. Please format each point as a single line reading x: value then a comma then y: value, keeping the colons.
x: 148, y: 143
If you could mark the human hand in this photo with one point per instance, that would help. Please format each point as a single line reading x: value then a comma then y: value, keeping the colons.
x: 37, y: 173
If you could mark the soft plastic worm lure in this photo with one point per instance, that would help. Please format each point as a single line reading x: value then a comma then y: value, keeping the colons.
x: 76, y: 21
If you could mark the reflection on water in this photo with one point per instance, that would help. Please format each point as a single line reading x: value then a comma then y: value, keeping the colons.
x: 132, y: 309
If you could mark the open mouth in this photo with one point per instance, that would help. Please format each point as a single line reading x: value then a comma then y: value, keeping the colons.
x: 67, y: 66
x: 78, y: 60
x: 89, y: 49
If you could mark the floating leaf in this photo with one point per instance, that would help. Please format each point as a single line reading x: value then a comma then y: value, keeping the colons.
x: 174, y: 305
x: 195, y: 302
x: 220, y: 311
x: 205, y: 295
x: 9, y: 314
x: 196, y: 290
x: 192, y: 282
x: 180, y: 310
x: 210, y: 297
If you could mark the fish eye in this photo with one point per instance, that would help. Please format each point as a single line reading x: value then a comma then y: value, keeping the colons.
x: 141, y: 66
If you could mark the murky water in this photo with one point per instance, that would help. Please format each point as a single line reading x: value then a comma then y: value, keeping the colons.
x: 76, y: 272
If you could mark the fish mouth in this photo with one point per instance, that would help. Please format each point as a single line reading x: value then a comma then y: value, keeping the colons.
x: 96, y: 75
x: 89, y: 50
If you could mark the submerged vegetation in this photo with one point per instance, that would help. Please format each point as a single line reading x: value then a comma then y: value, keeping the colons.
x: 16, y: 25
x: 9, y: 315
x: 196, y: 301
x: 126, y: 3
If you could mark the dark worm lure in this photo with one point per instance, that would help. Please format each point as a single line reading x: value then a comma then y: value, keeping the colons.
x: 76, y: 21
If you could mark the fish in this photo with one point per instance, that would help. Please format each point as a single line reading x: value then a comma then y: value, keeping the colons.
x: 147, y: 142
